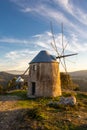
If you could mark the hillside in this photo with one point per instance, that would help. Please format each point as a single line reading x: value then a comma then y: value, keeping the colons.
x: 17, y: 112
x: 79, y: 74
x: 5, y: 77
x: 80, y: 78
x: 15, y: 72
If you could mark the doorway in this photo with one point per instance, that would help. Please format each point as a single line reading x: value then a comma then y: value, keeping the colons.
x: 33, y: 88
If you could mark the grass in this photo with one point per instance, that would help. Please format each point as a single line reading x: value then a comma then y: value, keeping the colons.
x: 82, y: 95
x: 19, y: 93
x: 37, y: 115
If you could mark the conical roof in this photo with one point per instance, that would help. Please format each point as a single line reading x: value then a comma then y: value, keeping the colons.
x: 43, y: 56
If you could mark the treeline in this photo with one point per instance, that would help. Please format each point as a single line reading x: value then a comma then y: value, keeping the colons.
x: 12, y: 85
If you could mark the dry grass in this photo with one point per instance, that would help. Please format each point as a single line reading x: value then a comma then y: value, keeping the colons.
x: 34, y: 114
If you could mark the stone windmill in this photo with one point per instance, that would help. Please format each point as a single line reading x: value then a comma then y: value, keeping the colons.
x: 44, y: 74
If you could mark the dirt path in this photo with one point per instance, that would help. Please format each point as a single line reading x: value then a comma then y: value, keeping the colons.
x: 8, y: 113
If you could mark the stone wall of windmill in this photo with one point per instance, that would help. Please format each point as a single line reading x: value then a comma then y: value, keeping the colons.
x: 44, y: 76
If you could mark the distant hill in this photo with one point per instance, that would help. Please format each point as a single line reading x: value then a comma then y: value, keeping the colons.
x: 6, y: 76
x: 80, y: 78
x: 15, y: 72
x: 81, y: 73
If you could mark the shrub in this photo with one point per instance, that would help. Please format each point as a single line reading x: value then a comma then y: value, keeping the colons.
x: 68, y: 94
x: 66, y: 82
x: 1, y: 89
x: 35, y: 113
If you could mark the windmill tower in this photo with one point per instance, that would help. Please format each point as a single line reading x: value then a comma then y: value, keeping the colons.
x: 44, y: 74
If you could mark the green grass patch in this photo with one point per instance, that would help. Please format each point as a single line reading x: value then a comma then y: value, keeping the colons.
x: 19, y: 93
x: 70, y: 93
x: 36, y: 114
x: 82, y: 95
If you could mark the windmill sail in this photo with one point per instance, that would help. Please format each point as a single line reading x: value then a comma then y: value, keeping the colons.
x: 25, y: 71
x: 54, y: 46
x: 63, y: 49
x: 62, y: 56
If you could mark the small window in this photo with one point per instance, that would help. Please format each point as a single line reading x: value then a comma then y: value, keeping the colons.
x: 34, y: 67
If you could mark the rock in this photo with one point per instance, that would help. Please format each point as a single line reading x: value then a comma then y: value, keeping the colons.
x: 71, y: 101
x: 68, y: 101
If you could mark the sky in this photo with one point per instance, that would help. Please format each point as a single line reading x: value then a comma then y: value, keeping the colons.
x: 25, y: 30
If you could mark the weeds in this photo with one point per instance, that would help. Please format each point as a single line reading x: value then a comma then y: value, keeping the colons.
x: 82, y: 95
x: 37, y: 115
x: 70, y: 93
x: 20, y: 93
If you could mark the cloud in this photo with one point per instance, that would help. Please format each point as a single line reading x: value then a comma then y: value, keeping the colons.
x: 21, y: 64
x: 27, y: 10
x: 57, y: 11
x: 43, y: 8
x: 43, y: 41
x: 20, y: 54
x: 73, y: 9
x: 13, y: 40
x: 17, y: 60
x: 72, y: 42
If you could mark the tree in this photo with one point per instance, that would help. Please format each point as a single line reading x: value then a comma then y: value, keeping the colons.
x: 11, y: 84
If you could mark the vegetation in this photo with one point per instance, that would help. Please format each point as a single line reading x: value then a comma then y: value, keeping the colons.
x: 67, y: 83
x: 43, y: 117
x: 11, y: 84
x: 20, y: 112
x: 7, y: 81
x: 36, y: 114
x: 20, y: 93
x: 77, y: 79
x: 82, y: 82
x: 1, y: 89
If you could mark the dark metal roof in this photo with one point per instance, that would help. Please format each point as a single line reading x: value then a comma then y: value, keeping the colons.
x: 43, y: 56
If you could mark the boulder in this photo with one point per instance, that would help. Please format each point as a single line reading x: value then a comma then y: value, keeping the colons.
x: 71, y: 101
x: 68, y: 101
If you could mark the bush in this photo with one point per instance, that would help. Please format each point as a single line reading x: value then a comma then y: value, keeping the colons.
x: 35, y: 113
x: 67, y: 83
x: 11, y: 84
x: 1, y: 89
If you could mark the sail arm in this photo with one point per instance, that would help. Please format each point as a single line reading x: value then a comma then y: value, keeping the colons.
x: 25, y: 71
x: 62, y: 56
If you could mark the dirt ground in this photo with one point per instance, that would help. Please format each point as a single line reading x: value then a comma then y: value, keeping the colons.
x: 11, y: 116
x: 8, y: 112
